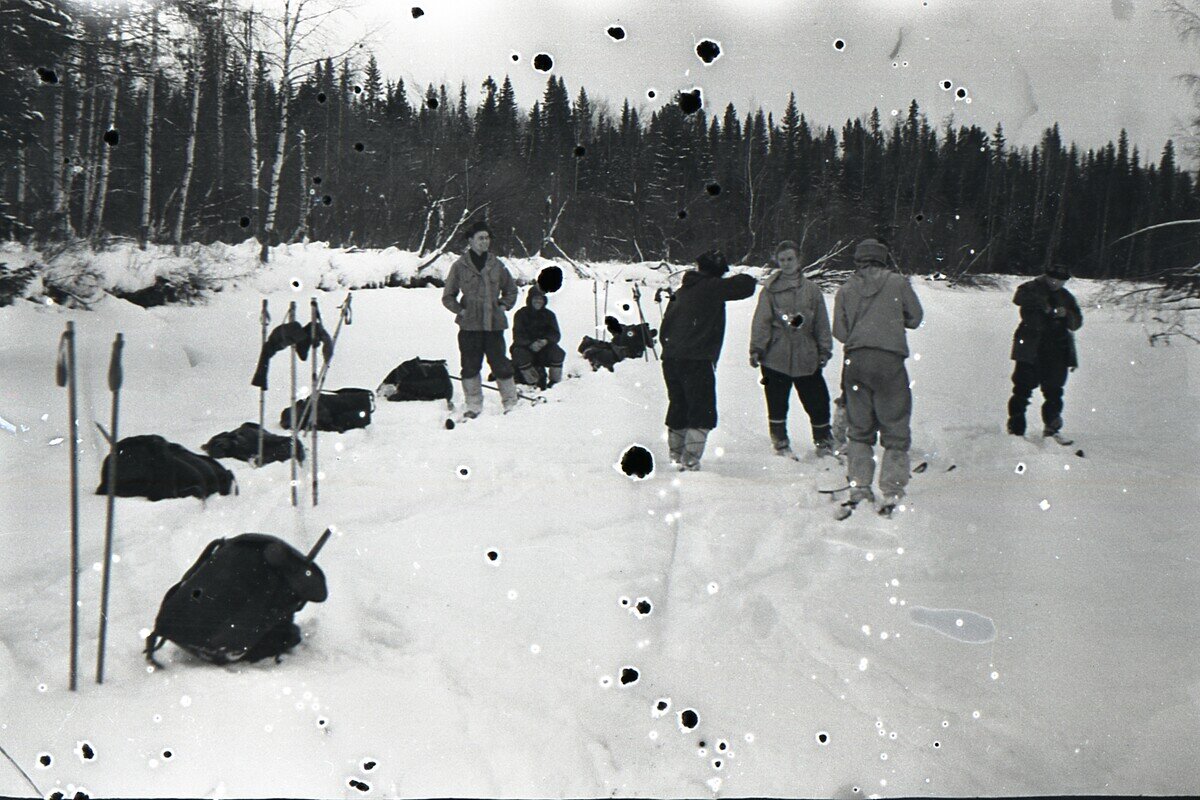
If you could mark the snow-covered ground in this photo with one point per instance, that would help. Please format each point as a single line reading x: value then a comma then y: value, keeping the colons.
x: 453, y: 675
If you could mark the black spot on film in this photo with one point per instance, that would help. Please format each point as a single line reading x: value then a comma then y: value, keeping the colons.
x: 624, y: 601
x: 112, y: 137
x: 418, y: 12
x: 662, y: 705
x: 550, y: 279
x: 492, y: 555
x: 542, y: 62
x: 616, y: 32
x: 688, y: 718
x: 168, y: 754
x: 946, y: 85
x: 708, y: 50
x: 368, y: 765
x: 81, y: 795
x: 57, y: 796
x: 463, y: 471
x: 198, y: 593
x: 45, y: 760
x: 327, y: 200
x: 316, y: 180
x: 295, y: 285
x: 580, y: 151
x: 838, y: 44
x: 362, y: 787
x: 244, y: 222
x: 47, y: 75
x: 651, y: 94
x: 629, y: 675
x: 689, y: 102
x: 796, y: 321
x: 702, y: 743
x: 713, y: 189
x: 359, y: 146
x: 644, y: 607
x: 637, y: 462
x: 432, y: 102
x: 961, y: 92
x: 516, y: 56
x: 823, y: 737
x: 87, y: 752
x: 358, y: 90
x: 321, y: 97
x: 937, y: 744
x: 322, y: 722
x: 919, y: 218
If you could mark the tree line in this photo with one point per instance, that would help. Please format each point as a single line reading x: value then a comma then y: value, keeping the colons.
x: 198, y: 121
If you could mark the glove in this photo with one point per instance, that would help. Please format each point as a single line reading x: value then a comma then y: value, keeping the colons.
x: 537, y: 345
x: 755, y: 360
x: 1058, y: 312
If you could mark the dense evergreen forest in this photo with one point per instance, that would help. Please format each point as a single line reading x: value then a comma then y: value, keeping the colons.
x: 196, y: 121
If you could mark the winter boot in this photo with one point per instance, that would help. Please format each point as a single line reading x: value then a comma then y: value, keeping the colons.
x: 675, y: 441
x: 889, y: 504
x: 693, y: 448
x: 554, y: 375
x: 508, y: 393
x: 840, y: 425
x: 779, y: 438
x: 1015, y: 427
x: 473, y: 390
x: 529, y: 375
x: 822, y: 440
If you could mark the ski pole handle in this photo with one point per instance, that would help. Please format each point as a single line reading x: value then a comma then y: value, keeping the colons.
x: 265, y: 316
x: 320, y: 543
x: 60, y: 368
x: 346, y: 314
x: 115, y: 374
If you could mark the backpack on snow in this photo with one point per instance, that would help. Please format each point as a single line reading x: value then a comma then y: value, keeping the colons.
x: 338, y: 411
x: 242, y: 443
x: 151, y: 467
x: 632, y: 340
x: 237, y: 601
x: 417, y: 379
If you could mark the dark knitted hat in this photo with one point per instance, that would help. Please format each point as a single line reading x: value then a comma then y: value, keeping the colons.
x: 713, y: 263
x: 871, y: 250
x: 481, y: 225
x: 1060, y: 271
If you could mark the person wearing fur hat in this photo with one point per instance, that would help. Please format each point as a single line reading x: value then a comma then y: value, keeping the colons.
x: 535, y: 352
x: 480, y: 290
x: 871, y: 313
x: 1043, y: 348
x: 692, y: 332
x: 790, y: 341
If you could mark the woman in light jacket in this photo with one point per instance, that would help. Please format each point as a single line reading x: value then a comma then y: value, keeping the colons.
x: 791, y: 342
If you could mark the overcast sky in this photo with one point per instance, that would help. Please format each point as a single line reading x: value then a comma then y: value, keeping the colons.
x: 1094, y: 66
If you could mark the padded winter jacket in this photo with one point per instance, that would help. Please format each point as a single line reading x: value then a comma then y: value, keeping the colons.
x: 1041, y: 335
x: 873, y: 309
x: 693, y: 326
x: 531, y: 324
x: 790, y: 332
x: 485, y: 294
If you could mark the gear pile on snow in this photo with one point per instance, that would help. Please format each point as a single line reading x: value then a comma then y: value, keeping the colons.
x: 242, y: 443
x: 152, y: 467
x: 417, y: 379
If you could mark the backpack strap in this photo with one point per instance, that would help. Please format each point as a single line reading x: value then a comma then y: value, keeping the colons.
x: 153, y: 643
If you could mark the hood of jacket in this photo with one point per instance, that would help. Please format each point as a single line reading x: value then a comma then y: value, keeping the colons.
x: 535, y: 292
x: 872, y: 278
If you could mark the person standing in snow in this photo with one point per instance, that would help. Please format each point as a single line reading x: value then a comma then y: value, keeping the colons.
x: 871, y: 312
x: 1044, y: 348
x: 479, y: 290
x: 692, y: 331
x: 791, y: 342
x: 535, y: 351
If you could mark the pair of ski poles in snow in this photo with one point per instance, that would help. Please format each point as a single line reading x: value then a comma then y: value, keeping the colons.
x: 65, y: 376
x: 308, y: 414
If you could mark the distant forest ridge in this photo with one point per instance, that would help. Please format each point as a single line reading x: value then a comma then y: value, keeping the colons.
x: 191, y: 121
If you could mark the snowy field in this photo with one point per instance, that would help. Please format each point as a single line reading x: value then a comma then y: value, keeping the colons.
x: 434, y: 671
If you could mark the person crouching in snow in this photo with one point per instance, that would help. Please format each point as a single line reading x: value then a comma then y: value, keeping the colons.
x: 692, y: 331
x: 870, y: 314
x: 479, y: 290
x: 1044, y: 348
x: 791, y: 342
x: 535, y: 352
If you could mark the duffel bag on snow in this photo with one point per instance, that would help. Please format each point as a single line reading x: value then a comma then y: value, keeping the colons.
x: 242, y: 443
x: 237, y: 601
x: 151, y: 467
x: 631, y: 340
x: 600, y: 353
x: 417, y: 379
x: 336, y: 411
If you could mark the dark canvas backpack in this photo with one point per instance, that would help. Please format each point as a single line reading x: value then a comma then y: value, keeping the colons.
x: 150, y: 466
x: 600, y: 353
x: 631, y: 340
x: 237, y: 601
x: 417, y: 379
x: 336, y: 411
x: 242, y: 443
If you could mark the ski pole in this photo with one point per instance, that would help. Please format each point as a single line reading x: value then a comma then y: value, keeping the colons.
x: 265, y: 318
x: 115, y: 378
x: 314, y: 341
x: 320, y: 543
x: 595, y: 304
x: 522, y: 395
x: 65, y: 376
x: 606, y: 284
x: 637, y: 299
x: 345, y: 316
x: 295, y: 425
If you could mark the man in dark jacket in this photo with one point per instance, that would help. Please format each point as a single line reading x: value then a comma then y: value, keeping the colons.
x: 479, y: 290
x: 692, y: 331
x: 535, y: 350
x: 1044, y: 348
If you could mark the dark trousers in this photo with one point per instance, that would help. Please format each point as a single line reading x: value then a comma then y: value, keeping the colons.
x: 549, y: 356
x: 474, y: 345
x: 691, y: 393
x: 1051, y: 375
x: 814, y: 396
